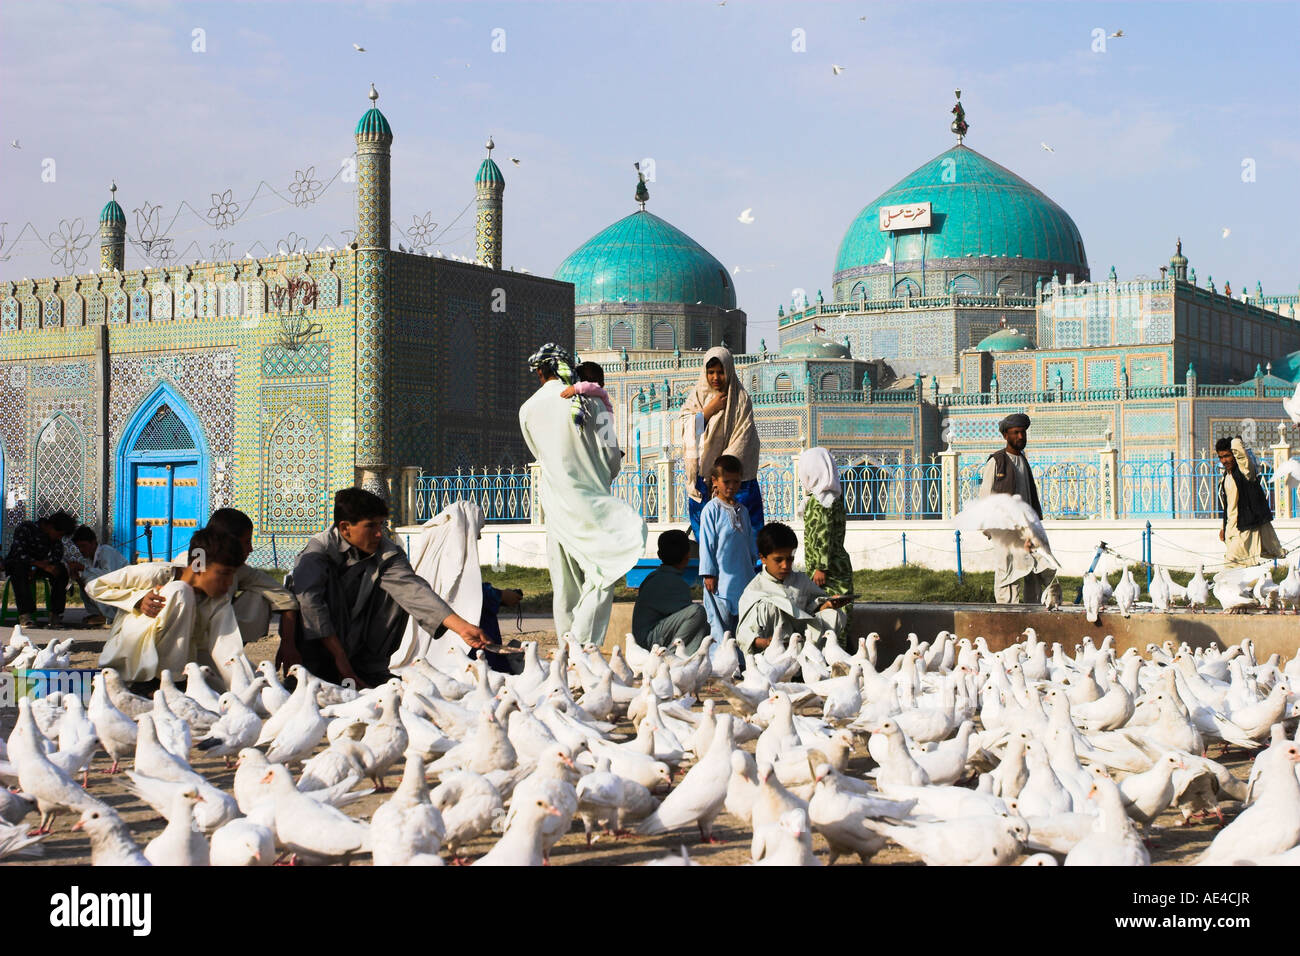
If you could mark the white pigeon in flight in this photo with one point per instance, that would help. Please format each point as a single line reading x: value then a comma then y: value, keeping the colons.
x: 1008, y: 522
x: 745, y: 216
x: 836, y: 69
x: 1226, y: 232
x: 1046, y: 147
x: 359, y: 48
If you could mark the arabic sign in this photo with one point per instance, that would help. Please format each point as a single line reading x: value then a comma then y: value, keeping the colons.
x: 912, y: 216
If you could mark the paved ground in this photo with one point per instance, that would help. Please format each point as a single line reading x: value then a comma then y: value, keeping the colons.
x: 1174, y: 844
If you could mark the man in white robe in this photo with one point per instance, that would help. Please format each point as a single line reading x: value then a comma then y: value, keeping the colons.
x: 173, y: 612
x: 592, y: 538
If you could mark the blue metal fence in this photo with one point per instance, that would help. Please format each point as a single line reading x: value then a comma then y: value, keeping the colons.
x: 1177, y: 487
x: 502, y: 495
x: 878, y: 491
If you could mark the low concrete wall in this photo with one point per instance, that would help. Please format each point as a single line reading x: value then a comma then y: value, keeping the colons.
x: 1003, y: 626
x: 1178, y: 544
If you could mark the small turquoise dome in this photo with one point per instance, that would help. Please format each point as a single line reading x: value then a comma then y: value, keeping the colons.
x: 979, y: 209
x: 1288, y: 367
x: 1005, y: 340
x: 642, y: 258
x: 112, y: 212
x: 489, y: 172
x: 815, y: 347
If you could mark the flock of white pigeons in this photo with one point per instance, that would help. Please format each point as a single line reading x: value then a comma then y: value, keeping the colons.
x: 979, y: 757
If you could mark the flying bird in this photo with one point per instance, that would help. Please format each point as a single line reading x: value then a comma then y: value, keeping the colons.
x: 14, y: 144
x: 745, y: 216
x: 862, y: 19
x: 513, y: 160
x: 836, y: 69
x: 359, y: 48
x: 1117, y: 35
x: 1226, y: 232
x: 1046, y: 147
x: 735, y: 271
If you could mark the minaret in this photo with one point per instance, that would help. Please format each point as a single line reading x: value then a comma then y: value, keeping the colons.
x: 489, y: 185
x: 112, y: 235
x: 374, y: 137
x: 1178, y: 262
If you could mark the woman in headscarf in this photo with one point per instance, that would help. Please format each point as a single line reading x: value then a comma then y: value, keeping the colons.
x: 720, y: 421
x: 823, y: 524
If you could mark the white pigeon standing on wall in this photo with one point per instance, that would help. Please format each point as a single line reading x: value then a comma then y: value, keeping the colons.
x: 1092, y: 599
x: 1126, y: 592
x: 1198, y: 589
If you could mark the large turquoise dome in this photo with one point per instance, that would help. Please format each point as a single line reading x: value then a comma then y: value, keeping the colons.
x: 979, y: 209
x: 642, y: 258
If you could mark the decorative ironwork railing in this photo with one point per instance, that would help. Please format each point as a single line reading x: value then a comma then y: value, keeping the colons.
x: 502, y: 495
x: 1177, y: 487
x: 879, y: 491
x: 1066, y: 489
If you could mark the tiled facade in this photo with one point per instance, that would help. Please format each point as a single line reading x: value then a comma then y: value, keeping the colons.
x: 278, y: 409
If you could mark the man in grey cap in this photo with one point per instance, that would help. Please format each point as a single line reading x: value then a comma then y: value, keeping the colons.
x: 1026, y: 577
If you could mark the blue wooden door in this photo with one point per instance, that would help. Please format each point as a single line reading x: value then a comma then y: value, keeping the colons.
x: 166, y: 501
x: 151, y: 508
x: 184, y: 505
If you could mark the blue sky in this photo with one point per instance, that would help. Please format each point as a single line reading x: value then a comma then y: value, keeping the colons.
x: 1149, y: 136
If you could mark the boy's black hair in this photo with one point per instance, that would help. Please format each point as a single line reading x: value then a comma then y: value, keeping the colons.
x: 726, y: 465
x: 673, y: 546
x: 1223, y: 444
x: 356, y: 504
x: 231, y: 521
x: 775, y: 537
x: 84, y: 533
x: 211, y: 546
x: 63, y: 522
x: 590, y: 372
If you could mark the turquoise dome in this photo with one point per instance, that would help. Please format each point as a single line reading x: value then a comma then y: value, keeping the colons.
x: 489, y: 172
x: 978, y: 209
x: 642, y: 258
x: 1005, y: 340
x: 814, y: 347
x: 374, y: 124
x: 1288, y: 367
x: 112, y: 212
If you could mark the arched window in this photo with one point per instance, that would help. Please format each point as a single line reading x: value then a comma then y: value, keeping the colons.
x: 965, y: 285
x: 295, y: 474
x: 858, y: 292
x: 620, y: 336
x: 1009, y: 285
x: 60, y: 468
x: 661, y: 336
x: 784, y: 383
x: 831, y: 382
x: 582, y: 336
x: 753, y: 382
x: 906, y: 288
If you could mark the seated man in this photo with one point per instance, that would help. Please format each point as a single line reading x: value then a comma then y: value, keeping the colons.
x: 175, y: 611
x: 664, y: 610
x: 37, y: 552
x: 355, y: 589
x: 256, y: 595
x: 780, y: 595
x: 100, y: 558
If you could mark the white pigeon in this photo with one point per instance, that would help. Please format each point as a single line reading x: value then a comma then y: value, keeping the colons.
x: 386, y: 738
x: 837, y: 814
x: 1047, y: 148
x: 469, y: 804
x: 1198, y: 589
x: 242, y: 842
x: 788, y: 842
x: 746, y: 218
x: 238, y: 727
x: 408, y: 829
x: 308, y: 828
x: 180, y: 844
x: 550, y: 783
x: 700, y: 796
x: 39, y: 778
x: 198, y: 688
x: 215, y: 809
x: 110, y: 838
x: 1126, y: 592
x: 15, y: 841
x: 1113, y: 841
x: 836, y: 69
x: 1007, y: 521
x: 300, y: 734
x: 133, y: 705
x: 970, y: 841
x: 1271, y: 824
x: 187, y: 708
x: 521, y: 845
x: 173, y: 732
x: 607, y: 801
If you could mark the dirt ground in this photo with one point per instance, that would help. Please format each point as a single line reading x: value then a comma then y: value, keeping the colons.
x: 1172, y: 845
